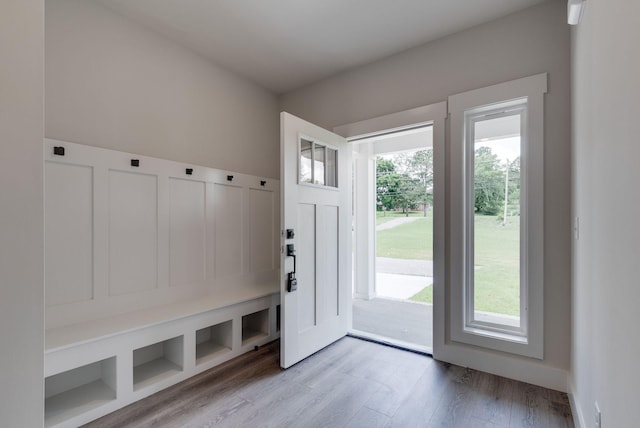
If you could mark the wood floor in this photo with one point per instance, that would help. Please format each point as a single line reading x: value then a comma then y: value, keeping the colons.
x: 352, y: 383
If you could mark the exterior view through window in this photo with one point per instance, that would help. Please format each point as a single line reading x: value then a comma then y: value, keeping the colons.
x: 493, y: 266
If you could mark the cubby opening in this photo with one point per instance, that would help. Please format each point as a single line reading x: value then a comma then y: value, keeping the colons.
x: 255, y: 326
x: 157, y: 362
x: 80, y: 390
x: 213, y: 341
x: 278, y: 319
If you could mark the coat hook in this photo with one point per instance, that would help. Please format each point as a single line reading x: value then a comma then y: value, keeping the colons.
x: 229, y: 177
x: 135, y: 162
x: 263, y: 182
x: 189, y: 171
x: 58, y: 151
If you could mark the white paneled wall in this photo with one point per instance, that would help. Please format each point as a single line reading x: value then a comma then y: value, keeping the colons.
x: 121, y: 238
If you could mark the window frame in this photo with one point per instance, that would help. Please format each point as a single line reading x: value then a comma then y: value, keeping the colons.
x: 473, y: 116
x: 326, y: 147
x: 464, y: 109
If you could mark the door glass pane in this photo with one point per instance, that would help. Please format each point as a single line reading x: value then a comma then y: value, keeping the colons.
x: 496, y: 220
x: 331, y: 166
x: 305, y: 161
x: 318, y: 164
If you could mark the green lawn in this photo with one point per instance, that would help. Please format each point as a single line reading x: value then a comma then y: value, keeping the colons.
x: 496, y: 273
x: 408, y: 241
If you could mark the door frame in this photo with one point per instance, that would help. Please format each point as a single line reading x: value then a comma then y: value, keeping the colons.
x: 435, y: 115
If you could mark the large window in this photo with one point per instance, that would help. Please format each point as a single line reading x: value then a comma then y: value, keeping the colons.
x: 496, y: 272
x: 496, y: 289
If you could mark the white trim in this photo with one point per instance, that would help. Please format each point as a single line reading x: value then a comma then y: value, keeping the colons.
x: 532, y: 89
x: 576, y: 409
x: 435, y: 115
x: 520, y: 369
x: 393, y: 122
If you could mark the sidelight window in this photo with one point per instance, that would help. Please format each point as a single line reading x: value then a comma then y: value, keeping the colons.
x: 497, y: 213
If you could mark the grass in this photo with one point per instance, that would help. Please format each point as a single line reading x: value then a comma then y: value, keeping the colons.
x: 496, y: 259
x: 407, y: 241
x: 424, y: 296
x: 497, y: 265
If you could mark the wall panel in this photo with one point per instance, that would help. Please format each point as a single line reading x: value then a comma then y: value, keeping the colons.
x: 133, y: 232
x: 262, y: 215
x: 228, y: 230
x: 68, y: 233
x: 123, y: 238
x: 187, y: 232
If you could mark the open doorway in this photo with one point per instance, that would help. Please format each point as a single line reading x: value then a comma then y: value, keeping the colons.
x: 395, y: 305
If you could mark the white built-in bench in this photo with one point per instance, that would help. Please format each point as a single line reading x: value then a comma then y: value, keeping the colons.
x: 155, y: 271
x: 94, y: 368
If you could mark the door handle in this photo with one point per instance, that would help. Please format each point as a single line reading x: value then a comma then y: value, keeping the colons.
x: 292, y: 282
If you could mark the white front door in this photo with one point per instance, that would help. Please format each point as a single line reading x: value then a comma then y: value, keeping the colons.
x: 316, y: 237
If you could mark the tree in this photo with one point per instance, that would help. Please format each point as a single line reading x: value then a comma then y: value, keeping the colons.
x: 489, y: 182
x: 420, y: 166
x: 405, y: 182
x: 513, y: 206
x: 387, y: 184
x: 409, y: 193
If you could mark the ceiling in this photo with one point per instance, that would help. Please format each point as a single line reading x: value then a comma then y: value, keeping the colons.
x: 286, y: 44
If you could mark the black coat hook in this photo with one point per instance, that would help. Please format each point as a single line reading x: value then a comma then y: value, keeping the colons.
x: 263, y: 182
x: 58, y: 151
x: 135, y: 162
x: 189, y: 171
x: 229, y: 177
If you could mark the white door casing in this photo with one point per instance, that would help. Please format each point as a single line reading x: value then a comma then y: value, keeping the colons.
x: 316, y: 313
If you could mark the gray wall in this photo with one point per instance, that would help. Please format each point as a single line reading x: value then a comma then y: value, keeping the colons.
x: 532, y: 41
x: 21, y: 213
x: 112, y: 83
x: 606, y: 176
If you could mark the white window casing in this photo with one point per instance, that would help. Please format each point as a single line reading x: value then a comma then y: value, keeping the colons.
x: 523, y: 97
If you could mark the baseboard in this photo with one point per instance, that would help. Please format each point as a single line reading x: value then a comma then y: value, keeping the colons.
x: 576, y: 410
x: 503, y: 365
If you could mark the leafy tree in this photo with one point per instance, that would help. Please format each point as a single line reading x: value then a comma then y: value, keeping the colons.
x: 405, y: 182
x: 513, y: 206
x: 420, y: 166
x: 489, y: 182
x: 409, y: 193
x: 387, y: 184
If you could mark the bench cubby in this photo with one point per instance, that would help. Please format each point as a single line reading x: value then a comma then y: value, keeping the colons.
x: 255, y: 326
x: 79, y: 390
x: 158, y: 361
x: 214, y: 341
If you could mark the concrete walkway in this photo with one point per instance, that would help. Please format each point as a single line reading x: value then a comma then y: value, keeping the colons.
x: 404, y: 266
x: 400, y: 287
x: 395, y: 222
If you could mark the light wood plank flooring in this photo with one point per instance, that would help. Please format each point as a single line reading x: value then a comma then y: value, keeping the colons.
x: 352, y: 383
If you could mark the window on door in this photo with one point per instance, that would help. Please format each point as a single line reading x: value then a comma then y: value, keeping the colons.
x: 318, y: 163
